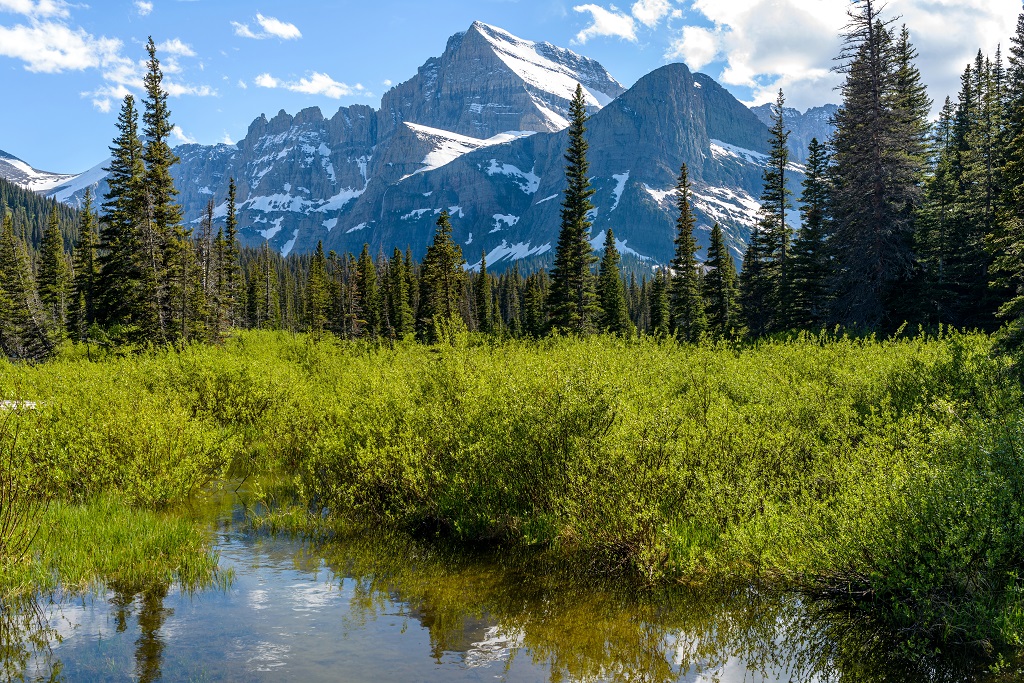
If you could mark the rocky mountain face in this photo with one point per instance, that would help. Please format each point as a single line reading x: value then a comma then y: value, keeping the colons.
x: 804, y: 127
x: 480, y: 132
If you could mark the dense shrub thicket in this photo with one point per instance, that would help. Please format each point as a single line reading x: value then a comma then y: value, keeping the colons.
x: 887, y: 473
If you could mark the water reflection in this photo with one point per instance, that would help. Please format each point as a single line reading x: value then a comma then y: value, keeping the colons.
x: 386, y: 607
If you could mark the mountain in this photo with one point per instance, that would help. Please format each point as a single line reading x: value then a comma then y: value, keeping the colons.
x: 804, y: 127
x: 20, y: 173
x: 480, y: 131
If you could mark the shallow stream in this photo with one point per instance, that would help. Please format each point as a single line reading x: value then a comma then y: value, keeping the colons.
x: 391, y: 609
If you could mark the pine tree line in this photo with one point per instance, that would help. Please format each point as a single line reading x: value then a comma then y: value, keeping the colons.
x: 900, y: 221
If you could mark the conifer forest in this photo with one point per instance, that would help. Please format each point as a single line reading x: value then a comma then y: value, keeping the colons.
x: 807, y: 457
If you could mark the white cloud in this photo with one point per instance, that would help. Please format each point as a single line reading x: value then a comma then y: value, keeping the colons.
x: 175, y: 47
x: 276, y: 27
x: 51, y: 47
x: 651, y: 12
x: 243, y: 31
x: 266, y: 81
x: 606, y: 23
x: 40, y: 9
x: 387, y: 83
x: 271, y: 26
x: 179, y: 89
x: 226, y: 140
x: 316, y: 84
x: 143, y: 7
x: 765, y: 45
x: 242, y: 84
x: 182, y: 137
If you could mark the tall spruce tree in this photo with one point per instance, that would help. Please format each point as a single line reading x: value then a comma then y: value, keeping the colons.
x: 768, y: 287
x: 572, y: 298
x: 482, y: 296
x: 126, y: 298
x: 54, y: 279
x: 720, y: 287
x: 1008, y: 237
x: 232, y: 267
x: 318, y: 292
x: 611, y: 291
x: 686, y: 305
x: 369, y: 293
x: 401, y: 311
x: 23, y: 333
x: 86, y: 273
x: 164, y: 237
x: 810, y: 268
x: 660, y: 315
x: 442, y: 282
x: 877, y: 166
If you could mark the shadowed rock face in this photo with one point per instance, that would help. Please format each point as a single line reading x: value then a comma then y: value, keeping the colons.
x: 813, y: 123
x: 479, y: 131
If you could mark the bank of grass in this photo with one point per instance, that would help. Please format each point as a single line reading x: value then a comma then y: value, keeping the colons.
x: 84, y: 546
x: 885, y: 474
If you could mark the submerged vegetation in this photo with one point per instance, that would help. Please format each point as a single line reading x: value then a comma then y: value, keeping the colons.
x: 885, y: 474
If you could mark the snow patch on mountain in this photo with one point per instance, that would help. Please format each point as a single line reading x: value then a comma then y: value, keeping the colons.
x: 724, y: 205
x: 620, y: 184
x: 290, y: 244
x: 543, y: 66
x: 512, y: 252
x: 597, y: 242
x: 90, y: 179
x: 529, y: 182
x: 504, y: 219
x: 721, y: 150
x: 450, y: 146
x: 20, y: 173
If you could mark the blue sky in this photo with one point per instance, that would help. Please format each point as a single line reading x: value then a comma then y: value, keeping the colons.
x: 65, y: 65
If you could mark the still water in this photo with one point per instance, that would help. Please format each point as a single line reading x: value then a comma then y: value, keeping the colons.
x: 392, y: 609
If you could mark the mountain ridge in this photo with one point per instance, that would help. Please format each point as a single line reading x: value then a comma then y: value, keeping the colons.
x: 479, y: 131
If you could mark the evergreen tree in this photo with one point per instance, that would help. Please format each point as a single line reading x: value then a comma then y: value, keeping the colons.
x: 810, y: 268
x: 686, y: 303
x: 369, y: 293
x: 721, y: 287
x: 125, y: 297
x: 401, y: 312
x: 756, y: 284
x: 1008, y: 238
x: 611, y: 292
x: 660, y: 309
x: 86, y: 274
x: 54, y: 279
x: 22, y: 326
x: 232, y: 268
x: 442, y: 281
x: 877, y: 164
x: 535, y: 320
x: 164, y: 238
x: 572, y: 299
x: 482, y: 295
x: 318, y: 292
x: 767, y: 286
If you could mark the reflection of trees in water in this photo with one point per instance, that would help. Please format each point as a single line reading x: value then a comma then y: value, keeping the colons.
x: 149, y: 647
x: 495, y: 609
x: 25, y: 636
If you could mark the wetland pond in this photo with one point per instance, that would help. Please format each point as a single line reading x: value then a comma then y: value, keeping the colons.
x: 391, y: 609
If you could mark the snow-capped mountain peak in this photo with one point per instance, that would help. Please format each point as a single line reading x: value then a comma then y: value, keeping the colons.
x: 21, y: 173
x: 550, y: 68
